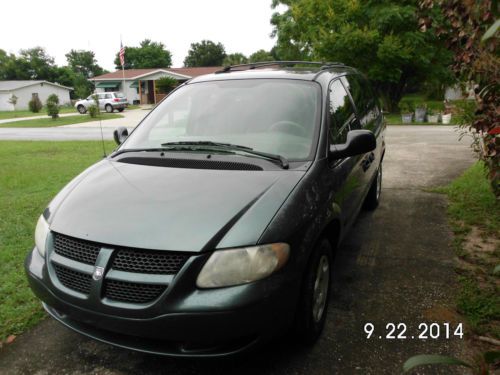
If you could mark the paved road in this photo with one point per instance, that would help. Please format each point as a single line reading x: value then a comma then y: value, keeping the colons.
x: 396, y: 266
x: 85, y: 131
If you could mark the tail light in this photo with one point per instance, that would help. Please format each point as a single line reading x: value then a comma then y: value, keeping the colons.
x: 116, y: 100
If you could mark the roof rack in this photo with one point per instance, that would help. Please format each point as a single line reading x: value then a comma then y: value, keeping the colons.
x: 241, y: 67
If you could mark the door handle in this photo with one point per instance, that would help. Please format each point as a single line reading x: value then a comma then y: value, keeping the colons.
x: 367, y: 161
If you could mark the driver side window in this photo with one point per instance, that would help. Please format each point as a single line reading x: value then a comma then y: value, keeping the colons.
x: 341, y: 112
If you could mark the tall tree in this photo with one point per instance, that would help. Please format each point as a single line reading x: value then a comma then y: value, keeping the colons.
x: 35, y: 63
x: 261, y: 55
x: 235, y: 59
x: 148, y: 55
x: 205, y: 53
x: 379, y: 37
x: 7, y: 65
x: 84, y: 62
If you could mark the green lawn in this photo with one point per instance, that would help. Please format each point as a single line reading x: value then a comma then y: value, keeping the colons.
x: 475, y: 219
x: 49, y: 122
x: 31, y: 174
x: 395, y: 119
x: 4, y: 115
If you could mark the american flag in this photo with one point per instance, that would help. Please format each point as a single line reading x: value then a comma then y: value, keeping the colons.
x: 122, y: 54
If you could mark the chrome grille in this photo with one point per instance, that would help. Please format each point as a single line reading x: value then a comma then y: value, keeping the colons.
x: 132, y: 292
x: 73, y: 279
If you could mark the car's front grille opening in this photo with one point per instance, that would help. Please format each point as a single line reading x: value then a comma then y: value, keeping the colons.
x: 132, y: 292
x: 76, y: 249
x: 74, y: 280
x: 146, y: 261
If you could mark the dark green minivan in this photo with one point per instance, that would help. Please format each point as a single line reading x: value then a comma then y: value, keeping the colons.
x: 211, y: 228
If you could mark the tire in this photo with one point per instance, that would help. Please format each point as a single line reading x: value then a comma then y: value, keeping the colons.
x: 373, y: 197
x: 108, y: 108
x: 313, y: 304
x: 81, y: 109
x: 120, y: 109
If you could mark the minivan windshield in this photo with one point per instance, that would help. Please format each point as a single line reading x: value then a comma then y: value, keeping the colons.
x: 276, y: 116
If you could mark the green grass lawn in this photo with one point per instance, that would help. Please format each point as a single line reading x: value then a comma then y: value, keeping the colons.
x: 475, y: 219
x: 4, y: 115
x: 49, y: 122
x: 31, y: 174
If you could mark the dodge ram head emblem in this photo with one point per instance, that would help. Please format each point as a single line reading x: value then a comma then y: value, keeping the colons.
x: 98, y: 272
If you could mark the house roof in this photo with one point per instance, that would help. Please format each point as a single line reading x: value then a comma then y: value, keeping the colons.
x: 132, y: 74
x: 14, y: 85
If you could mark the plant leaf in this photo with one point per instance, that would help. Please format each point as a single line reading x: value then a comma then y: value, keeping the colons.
x: 432, y: 359
x: 491, y: 357
x: 497, y: 269
x: 491, y: 31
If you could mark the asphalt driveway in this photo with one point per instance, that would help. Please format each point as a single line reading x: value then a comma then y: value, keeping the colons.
x: 396, y: 266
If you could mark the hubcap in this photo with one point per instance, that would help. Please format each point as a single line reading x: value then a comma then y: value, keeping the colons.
x: 321, y: 285
x: 379, y: 182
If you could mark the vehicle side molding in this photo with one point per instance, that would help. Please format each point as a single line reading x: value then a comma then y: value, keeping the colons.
x: 120, y: 134
x: 358, y: 142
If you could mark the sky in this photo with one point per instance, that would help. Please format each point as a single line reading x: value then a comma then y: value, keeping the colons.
x: 59, y: 26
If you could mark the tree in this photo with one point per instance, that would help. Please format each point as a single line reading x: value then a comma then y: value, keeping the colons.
x: 261, y: 55
x: 148, y: 55
x: 469, y: 29
x: 13, y: 101
x: 205, y: 53
x: 35, y: 63
x: 235, y: 59
x: 379, y: 37
x: 84, y: 62
x: 7, y: 66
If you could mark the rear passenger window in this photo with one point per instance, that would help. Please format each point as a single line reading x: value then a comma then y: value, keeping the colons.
x: 364, y: 100
x: 341, y: 112
x: 109, y: 96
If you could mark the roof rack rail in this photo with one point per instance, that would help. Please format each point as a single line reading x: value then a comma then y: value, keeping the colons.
x: 322, y: 65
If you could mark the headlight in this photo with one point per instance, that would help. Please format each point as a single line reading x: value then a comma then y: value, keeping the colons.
x: 41, y: 233
x: 240, y: 266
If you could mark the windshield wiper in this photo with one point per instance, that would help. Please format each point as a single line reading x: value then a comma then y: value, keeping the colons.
x: 228, y: 146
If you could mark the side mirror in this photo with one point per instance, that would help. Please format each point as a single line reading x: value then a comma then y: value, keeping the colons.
x: 120, y: 134
x: 358, y: 142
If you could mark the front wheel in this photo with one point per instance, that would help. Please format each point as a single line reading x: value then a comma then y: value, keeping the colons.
x: 313, y: 304
x: 108, y: 108
x: 372, y: 199
x: 81, y: 109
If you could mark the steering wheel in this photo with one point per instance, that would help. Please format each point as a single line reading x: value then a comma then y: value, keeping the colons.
x: 287, y: 126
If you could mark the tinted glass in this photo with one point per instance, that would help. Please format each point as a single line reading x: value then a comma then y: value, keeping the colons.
x: 119, y: 95
x: 277, y: 116
x: 364, y: 99
x: 341, y: 112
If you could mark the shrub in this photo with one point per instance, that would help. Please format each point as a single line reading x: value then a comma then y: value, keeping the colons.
x: 94, y: 108
x: 53, y: 106
x: 166, y: 84
x: 405, y: 106
x: 35, y: 105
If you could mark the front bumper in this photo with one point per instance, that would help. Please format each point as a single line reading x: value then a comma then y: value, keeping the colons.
x: 188, y: 322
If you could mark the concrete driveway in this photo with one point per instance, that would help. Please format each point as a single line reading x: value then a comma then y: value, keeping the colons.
x: 396, y: 266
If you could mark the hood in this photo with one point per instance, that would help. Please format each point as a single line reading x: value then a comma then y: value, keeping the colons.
x: 170, y: 208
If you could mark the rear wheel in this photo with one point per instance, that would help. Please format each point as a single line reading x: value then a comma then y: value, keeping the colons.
x: 108, y: 108
x: 81, y: 109
x: 120, y: 109
x: 373, y: 198
x: 313, y: 304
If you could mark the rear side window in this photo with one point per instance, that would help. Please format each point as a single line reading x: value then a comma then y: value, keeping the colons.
x: 364, y: 99
x: 341, y: 112
x: 109, y: 96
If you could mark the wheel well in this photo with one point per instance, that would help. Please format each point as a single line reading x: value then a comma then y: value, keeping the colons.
x: 332, y: 233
